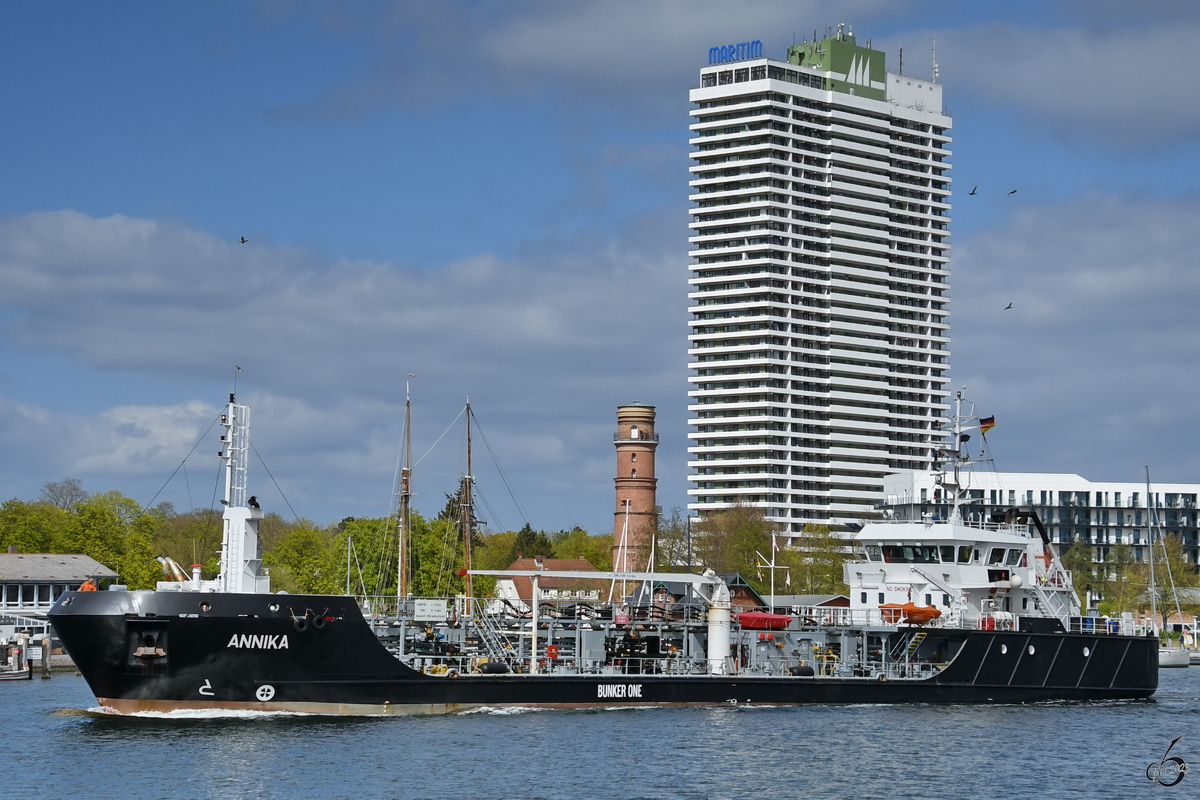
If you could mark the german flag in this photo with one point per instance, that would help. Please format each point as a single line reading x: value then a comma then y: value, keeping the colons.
x: 985, y: 425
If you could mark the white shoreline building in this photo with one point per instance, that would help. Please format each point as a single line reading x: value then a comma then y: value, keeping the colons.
x: 1071, y: 507
x: 819, y: 310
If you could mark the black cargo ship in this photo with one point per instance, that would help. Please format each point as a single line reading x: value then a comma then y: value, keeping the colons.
x: 161, y: 651
x: 999, y: 623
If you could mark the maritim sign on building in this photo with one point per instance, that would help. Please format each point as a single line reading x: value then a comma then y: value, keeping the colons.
x: 735, y: 52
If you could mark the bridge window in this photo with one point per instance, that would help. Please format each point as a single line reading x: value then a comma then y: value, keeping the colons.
x: 964, y: 554
x: 910, y: 554
x: 1014, y: 558
x: 874, y: 554
x: 997, y: 556
x: 947, y: 551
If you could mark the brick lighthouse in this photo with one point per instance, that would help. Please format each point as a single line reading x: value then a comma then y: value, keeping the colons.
x: 637, y: 513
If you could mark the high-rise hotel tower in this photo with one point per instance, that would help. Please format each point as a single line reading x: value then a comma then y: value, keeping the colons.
x: 819, y: 279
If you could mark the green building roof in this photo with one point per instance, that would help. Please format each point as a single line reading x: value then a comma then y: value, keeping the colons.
x: 849, y: 67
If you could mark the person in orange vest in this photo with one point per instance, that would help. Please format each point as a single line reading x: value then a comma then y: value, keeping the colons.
x: 87, y: 586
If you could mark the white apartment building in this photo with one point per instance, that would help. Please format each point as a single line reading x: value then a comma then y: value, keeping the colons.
x: 1071, y: 507
x: 819, y: 278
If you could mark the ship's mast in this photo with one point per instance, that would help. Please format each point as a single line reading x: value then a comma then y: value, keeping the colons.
x: 467, y: 511
x: 241, y: 561
x: 405, y: 497
x: 955, y: 456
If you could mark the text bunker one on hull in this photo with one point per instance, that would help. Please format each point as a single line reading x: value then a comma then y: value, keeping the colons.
x: 940, y: 611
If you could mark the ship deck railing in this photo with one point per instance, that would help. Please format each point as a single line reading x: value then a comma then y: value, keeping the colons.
x: 1111, y: 626
x: 977, y: 524
x: 839, y: 617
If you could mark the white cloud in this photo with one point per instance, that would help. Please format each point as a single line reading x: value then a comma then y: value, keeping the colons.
x: 546, y: 346
x: 1132, y: 87
x: 1096, y: 368
x: 632, y: 53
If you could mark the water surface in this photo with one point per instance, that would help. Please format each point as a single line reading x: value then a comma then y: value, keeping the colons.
x: 1052, y: 750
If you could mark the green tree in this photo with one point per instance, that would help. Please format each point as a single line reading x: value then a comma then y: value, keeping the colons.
x: 530, y: 543
x: 730, y: 540
x: 1120, y: 592
x: 436, y: 557
x: 304, y: 562
x: 817, y: 560
x: 191, y: 538
x: 1173, y: 569
x: 578, y: 543
x: 32, y: 527
x: 1078, y: 559
x: 671, y: 542
x: 97, y: 529
x: 376, y: 548
x: 138, y: 567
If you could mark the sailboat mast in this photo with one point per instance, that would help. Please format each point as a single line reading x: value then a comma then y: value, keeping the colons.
x: 405, y: 494
x: 467, y: 515
x: 1150, y: 532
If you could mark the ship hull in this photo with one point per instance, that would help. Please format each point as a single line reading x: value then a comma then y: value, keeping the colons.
x: 166, y: 651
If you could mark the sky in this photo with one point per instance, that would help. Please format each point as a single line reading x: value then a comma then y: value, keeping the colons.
x: 492, y: 197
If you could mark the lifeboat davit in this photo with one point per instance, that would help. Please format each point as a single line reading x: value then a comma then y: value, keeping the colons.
x: 912, y: 613
x: 763, y: 621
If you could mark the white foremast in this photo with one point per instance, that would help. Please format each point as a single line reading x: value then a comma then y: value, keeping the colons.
x: 241, y: 560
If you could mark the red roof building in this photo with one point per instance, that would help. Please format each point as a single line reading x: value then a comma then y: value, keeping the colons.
x: 518, y: 590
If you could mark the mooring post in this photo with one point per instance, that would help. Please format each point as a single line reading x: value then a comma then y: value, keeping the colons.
x: 46, y: 656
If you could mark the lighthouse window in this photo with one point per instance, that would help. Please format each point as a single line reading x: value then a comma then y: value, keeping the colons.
x: 864, y: 598
x: 633, y: 432
x: 633, y: 473
x: 633, y: 456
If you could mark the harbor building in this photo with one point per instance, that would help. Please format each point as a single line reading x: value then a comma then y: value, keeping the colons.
x: 819, y: 307
x: 1071, y: 507
x: 30, y: 583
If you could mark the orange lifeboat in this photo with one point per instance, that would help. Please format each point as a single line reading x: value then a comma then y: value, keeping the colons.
x: 912, y: 613
x: 762, y: 621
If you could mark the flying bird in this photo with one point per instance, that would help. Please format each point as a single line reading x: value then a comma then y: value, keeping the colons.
x: 1007, y: 307
x: 243, y: 240
x: 1014, y: 191
x: 973, y: 191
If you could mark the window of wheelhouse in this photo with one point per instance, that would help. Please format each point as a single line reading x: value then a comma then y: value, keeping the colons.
x: 947, y: 551
x: 964, y: 554
x: 996, y: 556
x: 1014, y: 558
x: 910, y: 553
x: 874, y: 553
